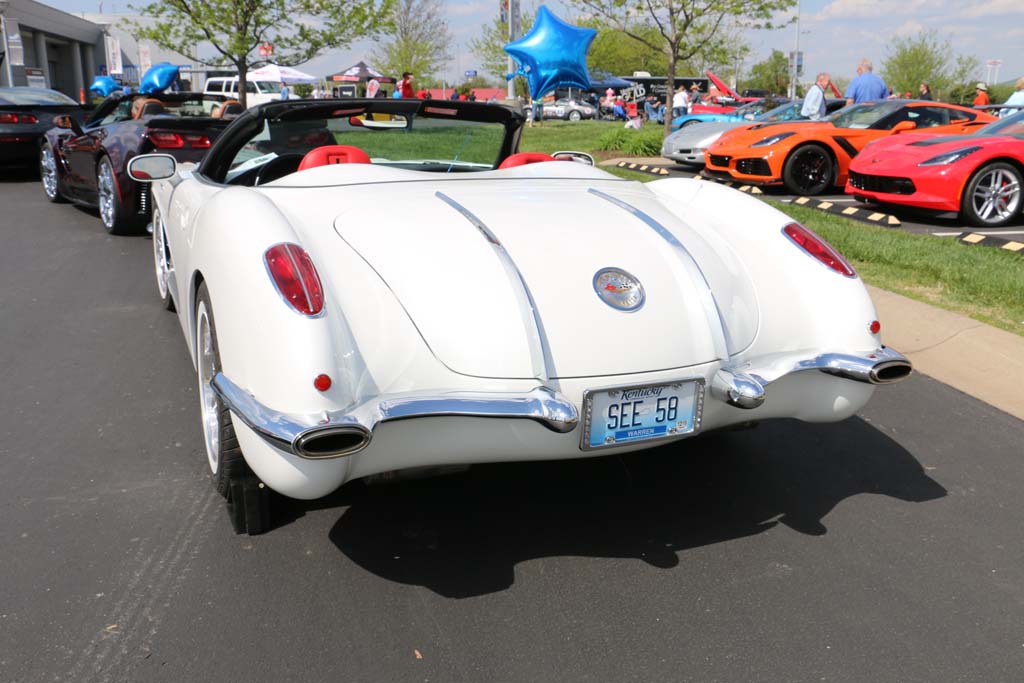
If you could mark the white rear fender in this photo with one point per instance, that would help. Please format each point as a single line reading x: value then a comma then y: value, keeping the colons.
x: 272, y: 350
x: 803, y: 303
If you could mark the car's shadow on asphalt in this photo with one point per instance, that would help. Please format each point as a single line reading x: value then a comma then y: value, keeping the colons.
x: 462, y: 535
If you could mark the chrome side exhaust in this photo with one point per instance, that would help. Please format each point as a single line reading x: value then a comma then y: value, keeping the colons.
x: 746, y: 387
x: 331, y: 441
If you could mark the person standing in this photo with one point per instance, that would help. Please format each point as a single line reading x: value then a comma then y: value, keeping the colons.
x: 406, y: 85
x: 814, y: 102
x: 1016, y: 98
x: 866, y: 87
x: 694, y: 98
x: 926, y: 92
x: 285, y: 92
x: 981, y: 96
x: 680, y: 102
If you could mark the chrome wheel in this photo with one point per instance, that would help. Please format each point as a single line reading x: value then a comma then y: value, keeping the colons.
x: 206, y: 362
x: 48, y: 172
x: 161, y: 262
x: 105, y: 190
x: 995, y: 195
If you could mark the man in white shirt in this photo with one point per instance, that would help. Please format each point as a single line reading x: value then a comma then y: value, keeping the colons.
x: 814, y: 102
x: 680, y: 102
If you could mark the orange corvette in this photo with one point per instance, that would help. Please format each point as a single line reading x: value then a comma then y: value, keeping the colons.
x: 811, y: 157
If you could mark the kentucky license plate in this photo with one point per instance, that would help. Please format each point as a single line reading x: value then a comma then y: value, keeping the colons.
x: 625, y: 415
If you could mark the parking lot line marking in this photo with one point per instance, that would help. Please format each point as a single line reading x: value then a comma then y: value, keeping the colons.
x: 801, y: 200
x: 1014, y: 246
x: 632, y: 165
x: 973, y: 238
x: 850, y: 211
x: 644, y: 167
x: 876, y: 216
x: 894, y: 221
x: 756, y: 190
x: 825, y: 205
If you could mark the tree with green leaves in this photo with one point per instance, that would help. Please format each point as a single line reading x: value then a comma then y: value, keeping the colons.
x: 298, y: 30
x: 685, y: 28
x: 417, y: 40
x: 490, y: 44
x: 771, y: 74
x: 928, y: 58
x: 616, y: 53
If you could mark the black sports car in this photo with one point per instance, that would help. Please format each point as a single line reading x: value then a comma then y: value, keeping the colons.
x: 25, y: 116
x: 86, y: 163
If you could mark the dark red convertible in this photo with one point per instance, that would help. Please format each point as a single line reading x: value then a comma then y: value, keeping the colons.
x: 86, y: 164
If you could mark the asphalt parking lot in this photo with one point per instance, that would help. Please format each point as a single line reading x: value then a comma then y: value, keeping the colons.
x: 887, y: 547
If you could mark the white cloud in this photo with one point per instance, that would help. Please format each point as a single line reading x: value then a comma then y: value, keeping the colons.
x: 993, y: 8
x: 910, y: 27
x: 862, y: 9
x: 469, y: 8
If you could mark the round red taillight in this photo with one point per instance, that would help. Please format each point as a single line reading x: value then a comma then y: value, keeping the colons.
x: 818, y: 248
x: 295, y: 277
x: 875, y: 327
x: 322, y: 382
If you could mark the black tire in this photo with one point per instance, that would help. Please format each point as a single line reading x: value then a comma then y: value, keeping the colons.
x: 691, y: 122
x: 809, y: 171
x: 574, y: 115
x: 162, y: 264
x: 49, y: 175
x: 112, y: 213
x: 993, y: 196
x: 248, y: 499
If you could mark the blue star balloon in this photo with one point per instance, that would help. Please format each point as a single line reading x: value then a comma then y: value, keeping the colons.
x: 552, y: 55
x: 158, y: 78
x: 104, y: 85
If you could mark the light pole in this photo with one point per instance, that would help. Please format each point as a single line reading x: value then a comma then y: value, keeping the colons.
x: 7, y: 50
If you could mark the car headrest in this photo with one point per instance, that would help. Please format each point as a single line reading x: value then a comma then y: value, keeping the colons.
x: 333, y: 154
x: 523, y: 158
x: 231, y: 108
x: 147, y: 107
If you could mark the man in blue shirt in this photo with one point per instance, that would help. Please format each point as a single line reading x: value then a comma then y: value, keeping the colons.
x: 814, y: 102
x: 866, y: 87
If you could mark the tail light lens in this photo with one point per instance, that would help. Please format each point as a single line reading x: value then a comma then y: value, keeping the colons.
x: 819, y: 249
x: 295, y: 277
x: 198, y: 141
x: 166, y: 140
x: 18, y: 118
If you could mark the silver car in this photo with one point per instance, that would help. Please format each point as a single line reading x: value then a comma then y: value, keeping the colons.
x: 687, y: 145
x: 568, y: 110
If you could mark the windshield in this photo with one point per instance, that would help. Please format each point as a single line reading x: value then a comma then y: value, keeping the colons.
x: 1011, y: 126
x: 412, y: 135
x: 37, y: 96
x: 268, y: 87
x: 865, y: 115
x: 145, y: 106
x: 783, y: 113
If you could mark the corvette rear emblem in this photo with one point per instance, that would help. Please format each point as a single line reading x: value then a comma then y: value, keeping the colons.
x: 619, y: 289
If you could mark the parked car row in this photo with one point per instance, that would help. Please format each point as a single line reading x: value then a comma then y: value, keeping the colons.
x: 930, y: 155
x: 322, y: 357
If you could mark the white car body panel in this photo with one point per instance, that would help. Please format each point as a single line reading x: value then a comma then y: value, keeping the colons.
x: 417, y: 301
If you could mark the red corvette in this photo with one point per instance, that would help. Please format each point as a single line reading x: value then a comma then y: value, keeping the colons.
x: 978, y: 176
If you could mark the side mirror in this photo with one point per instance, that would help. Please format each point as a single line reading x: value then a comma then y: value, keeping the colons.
x: 579, y: 157
x: 147, y: 168
x: 902, y: 126
x: 66, y: 122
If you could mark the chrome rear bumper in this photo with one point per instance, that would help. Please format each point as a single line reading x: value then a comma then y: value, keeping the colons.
x: 331, y: 435
x: 745, y: 386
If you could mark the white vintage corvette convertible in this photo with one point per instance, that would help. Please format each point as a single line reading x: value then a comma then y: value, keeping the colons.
x: 375, y: 285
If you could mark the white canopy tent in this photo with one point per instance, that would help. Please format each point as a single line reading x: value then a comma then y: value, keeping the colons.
x: 280, y: 74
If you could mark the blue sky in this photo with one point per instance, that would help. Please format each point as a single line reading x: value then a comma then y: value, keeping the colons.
x: 835, y: 34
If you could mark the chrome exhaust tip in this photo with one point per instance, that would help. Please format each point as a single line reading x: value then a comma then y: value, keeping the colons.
x: 331, y: 441
x: 890, y: 372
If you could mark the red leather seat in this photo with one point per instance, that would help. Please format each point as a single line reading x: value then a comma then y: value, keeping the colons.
x: 523, y: 158
x: 333, y: 154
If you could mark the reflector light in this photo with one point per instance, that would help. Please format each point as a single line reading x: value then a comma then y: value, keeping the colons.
x: 818, y: 248
x: 322, y: 382
x: 295, y: 277
x: 166, y: 140
x: 198, y: 141
x: 18, y: 118
x: 875, y: 327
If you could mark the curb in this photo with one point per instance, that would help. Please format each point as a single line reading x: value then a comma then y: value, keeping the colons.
x: 864, y: 215
x: 977, y: 239
x: 643, y: 168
